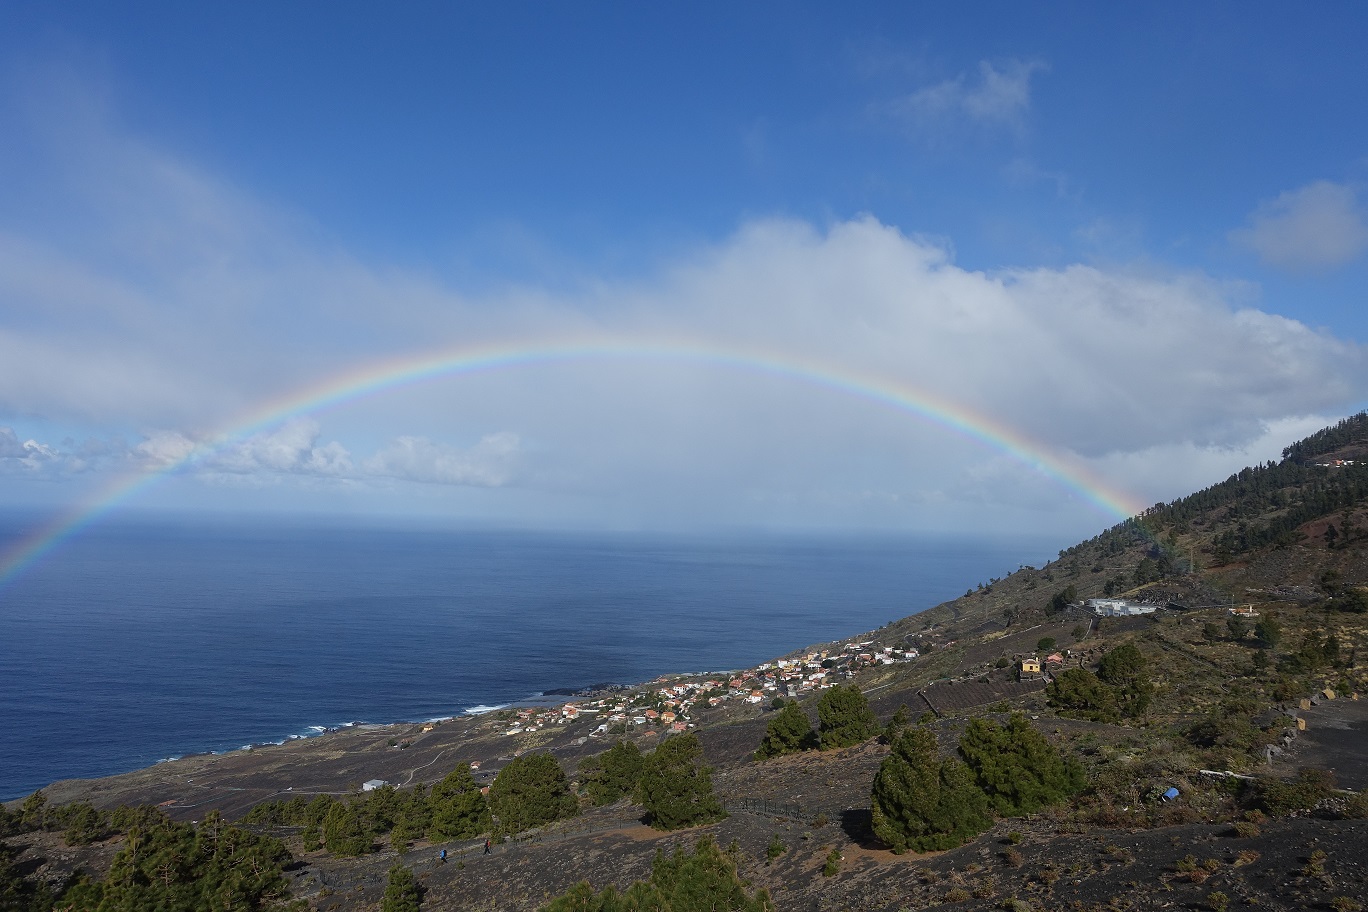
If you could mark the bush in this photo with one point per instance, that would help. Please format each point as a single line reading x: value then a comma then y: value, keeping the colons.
x: 531, y: 791
x: 1311, y: 787
x: 676, y: 788
x: 922, y: 802
x: 775, y: 848
x: 844, y: 717
x: 787, y: 733
x: 833, y: 864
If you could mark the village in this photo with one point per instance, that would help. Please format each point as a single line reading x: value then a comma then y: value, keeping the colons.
x: 669, y: 702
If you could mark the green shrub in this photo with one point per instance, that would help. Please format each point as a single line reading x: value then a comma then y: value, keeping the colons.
x: 1311, y: 787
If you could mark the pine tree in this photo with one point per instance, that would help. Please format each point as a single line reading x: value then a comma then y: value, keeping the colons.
x: 788, y: 732
x: 402, y: 893
x: 612, y: 774
x: 343, y: 833
x: 171, y: 867
x: 34, y: 810
x: 1078, y: 692
x: 530, y: 791
x: 1015, y: 765
x: 676, y: 788
x: 457, y: 809
x: 85, y: 825
x: 845, y: 717
x: 704, y: 880
x: 922, y: 802
x: 1125, y: 668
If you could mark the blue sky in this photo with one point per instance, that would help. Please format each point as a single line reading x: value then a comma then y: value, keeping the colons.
x: 1136, y: 237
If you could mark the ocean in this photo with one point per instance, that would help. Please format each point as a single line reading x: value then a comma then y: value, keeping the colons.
x: 139, y: 641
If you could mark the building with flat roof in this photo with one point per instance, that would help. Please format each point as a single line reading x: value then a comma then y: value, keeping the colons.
x: 1110, y: 607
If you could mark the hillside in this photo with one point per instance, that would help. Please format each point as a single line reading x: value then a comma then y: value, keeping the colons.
x: 1228, y: 709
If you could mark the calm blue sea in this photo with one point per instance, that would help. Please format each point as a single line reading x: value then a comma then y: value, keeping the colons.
x: 142, y: 641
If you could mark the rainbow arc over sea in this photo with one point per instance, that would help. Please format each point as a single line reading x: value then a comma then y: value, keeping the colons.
x: 385, y: 376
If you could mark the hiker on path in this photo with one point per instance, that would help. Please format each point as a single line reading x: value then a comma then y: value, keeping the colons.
x: 486, y: 851
x: 443, y: 856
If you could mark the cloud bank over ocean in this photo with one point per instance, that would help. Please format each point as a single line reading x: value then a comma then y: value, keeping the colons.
x: 161, y: 290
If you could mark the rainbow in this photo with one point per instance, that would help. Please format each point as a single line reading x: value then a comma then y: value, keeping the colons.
x: 382, y: 377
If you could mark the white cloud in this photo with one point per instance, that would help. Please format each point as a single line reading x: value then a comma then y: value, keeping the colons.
x: 164, y: 448
x: 1310, y: 229
x: 292, y: 448
x: 33, y: 457
x: 997, y: 95
x: 295, y: 449
x: 490, y: 463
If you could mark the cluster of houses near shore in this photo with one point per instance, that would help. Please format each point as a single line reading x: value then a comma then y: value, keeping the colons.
x: 668, y: 704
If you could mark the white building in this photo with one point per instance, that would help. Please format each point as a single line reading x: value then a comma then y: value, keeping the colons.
x: 1109, y: 607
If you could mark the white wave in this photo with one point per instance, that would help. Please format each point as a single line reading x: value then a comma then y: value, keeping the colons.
x: 481, y: 708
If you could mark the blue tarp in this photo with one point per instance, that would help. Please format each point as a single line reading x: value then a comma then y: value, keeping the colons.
x: 1170, y: 794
